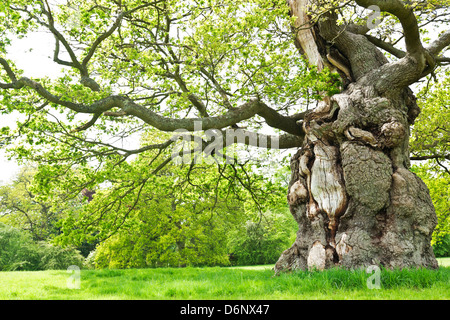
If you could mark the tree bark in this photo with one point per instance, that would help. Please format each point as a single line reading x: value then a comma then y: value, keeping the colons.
x: 351, y: 192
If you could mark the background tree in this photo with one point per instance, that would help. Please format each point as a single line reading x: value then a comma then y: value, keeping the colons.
x: 174, y: 223
x: 18, y: 251
x: 261, y: 240
x: 430, y: 144
x: 213, y: 65
x: 23, y: 208
x: 430, y: 139
x: 20, y: 208
x: 184, y: 214
x: 438, y: 184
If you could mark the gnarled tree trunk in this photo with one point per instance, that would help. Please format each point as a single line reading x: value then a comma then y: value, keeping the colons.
x: 351, y: 192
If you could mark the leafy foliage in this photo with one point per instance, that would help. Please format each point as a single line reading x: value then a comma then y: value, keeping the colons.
x: 182, y: 214
x: 185, y: 215
x: 168, y: 229
x: 18, y: 251
x: 431, y: 136
x: 430, y: 141
x: 20, y: 208
x: 263, y: 241
x: 167, y: 55
x: 442, y: 248
x: 53, y: 257
x: 439, y: 185
x: 179, y: 60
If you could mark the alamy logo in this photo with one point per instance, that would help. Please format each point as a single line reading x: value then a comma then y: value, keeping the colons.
x: 373, y: 20
x: 74, y: 280
x: 210, y: 147
x: 374, y: 281
x: 74, y: 17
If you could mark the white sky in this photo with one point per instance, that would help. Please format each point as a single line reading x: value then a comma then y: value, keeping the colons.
x: 34, y: 55
x: 34, y: 63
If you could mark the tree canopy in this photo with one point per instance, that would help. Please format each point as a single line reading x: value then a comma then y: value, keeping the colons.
x: 20, y: 208
x: 170, y: 65
x: 201, y: 69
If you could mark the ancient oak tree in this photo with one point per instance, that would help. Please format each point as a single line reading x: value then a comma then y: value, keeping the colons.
x: 351, y: 193
x: 329, y: 77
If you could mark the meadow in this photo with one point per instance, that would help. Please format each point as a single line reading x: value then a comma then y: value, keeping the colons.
x: 226, y: 283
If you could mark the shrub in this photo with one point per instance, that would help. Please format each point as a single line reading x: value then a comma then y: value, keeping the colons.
x: 442, y: 248
x: 137, y: 249
x: 18, y: 251
x: 57, y: 258
x: 89, y: 261
x: 262, y: 242
x: 257, y: 246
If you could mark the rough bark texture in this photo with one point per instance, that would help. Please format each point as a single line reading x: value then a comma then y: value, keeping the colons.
x: 354, y: 199
x: 351, y: 192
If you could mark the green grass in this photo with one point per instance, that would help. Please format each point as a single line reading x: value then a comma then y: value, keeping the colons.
x: 256, y: 282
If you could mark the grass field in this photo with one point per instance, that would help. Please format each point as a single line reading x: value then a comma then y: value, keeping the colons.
x: 252, y: 283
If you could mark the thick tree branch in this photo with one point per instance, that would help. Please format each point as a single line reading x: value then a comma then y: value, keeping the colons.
x: 407, y: 19
x: 9, y: 72
x: 244, y: 112
x: 226, y: 138
x: 414, y: 64
x: 361, y: 53
x: 285, y: 141
x: 435, y: 48
x: 386, y: 46
x: 96, y: 107
x: 129, y: 107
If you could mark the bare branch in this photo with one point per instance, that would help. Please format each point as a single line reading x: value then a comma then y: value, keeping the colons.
x: 304, y: 33
x: 435, y: 156
x: 56, y: 56
x: 219, y: 88
x: 58, y: 36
